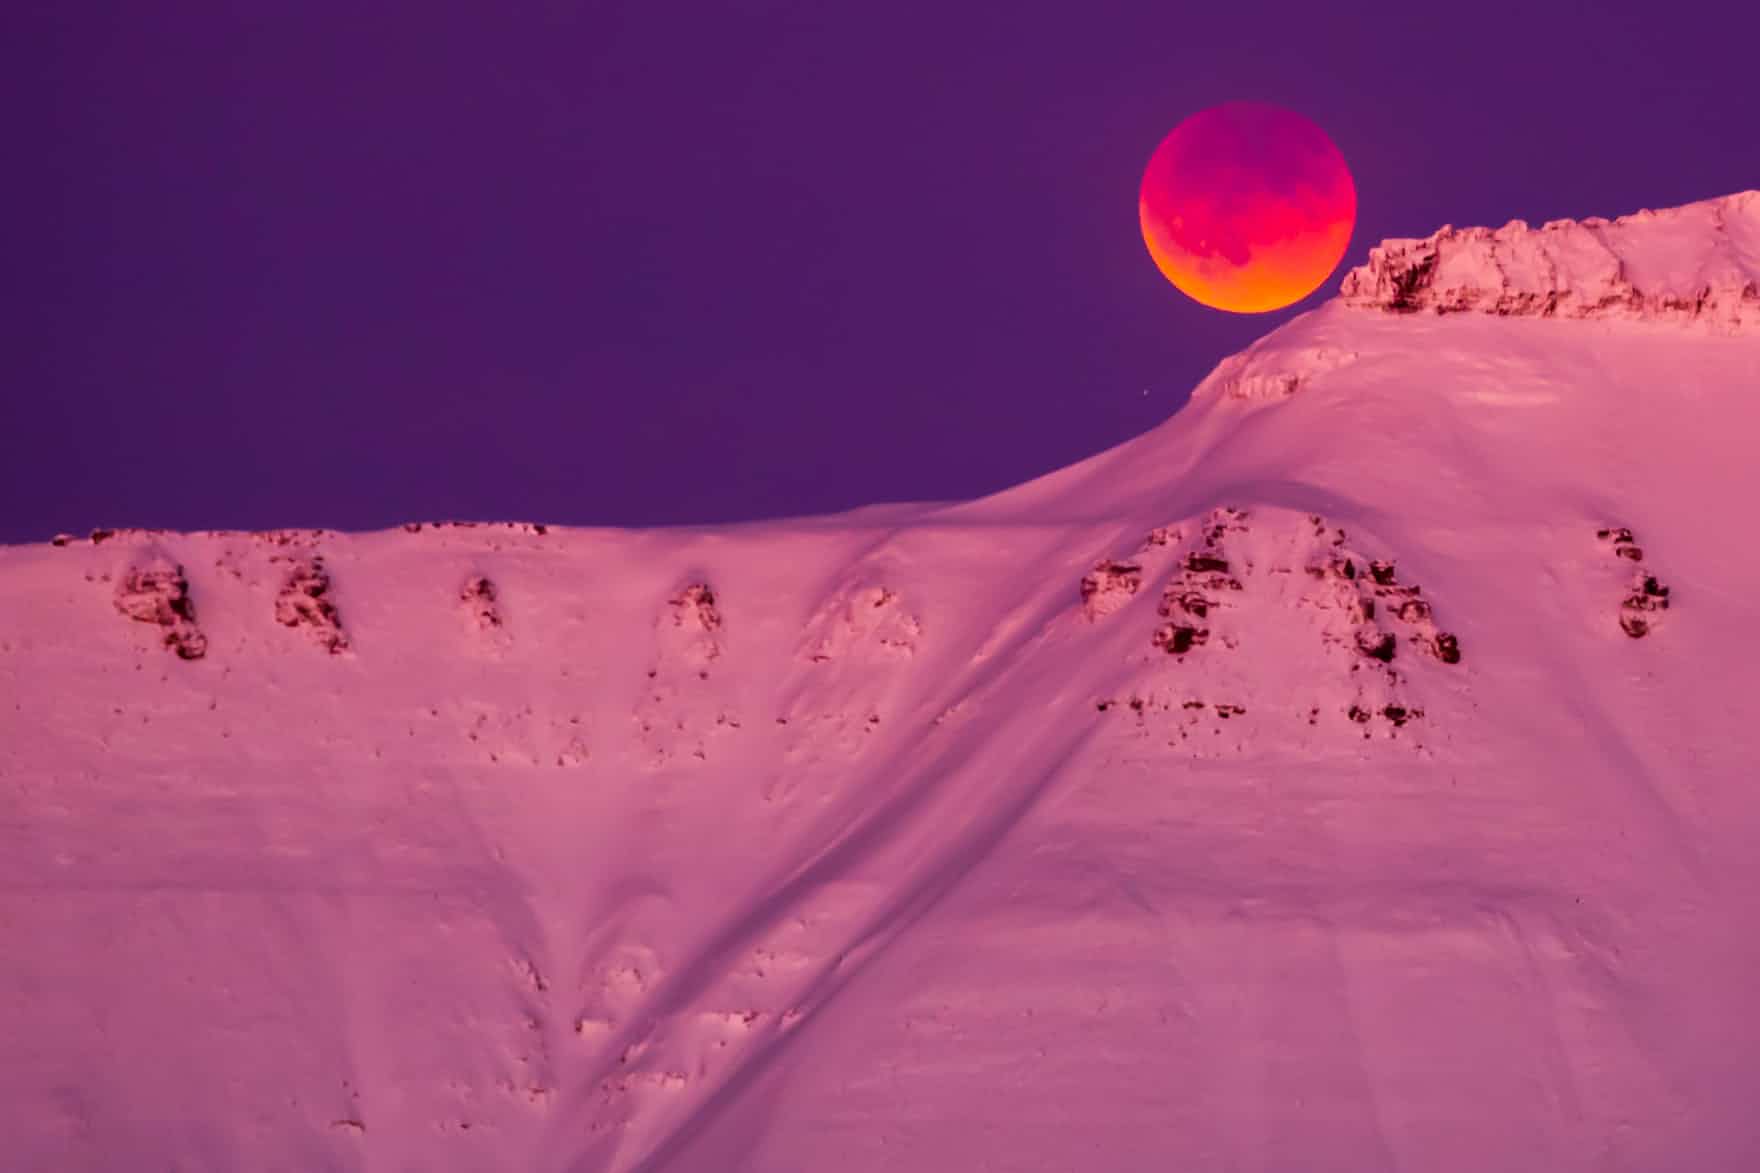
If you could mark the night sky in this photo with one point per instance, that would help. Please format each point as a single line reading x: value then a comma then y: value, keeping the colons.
x: 638, y: 263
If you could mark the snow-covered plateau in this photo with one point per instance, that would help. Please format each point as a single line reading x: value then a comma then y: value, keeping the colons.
x: 1360, y: 771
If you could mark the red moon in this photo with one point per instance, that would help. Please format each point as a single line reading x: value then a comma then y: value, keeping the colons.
x: 1247, y: 207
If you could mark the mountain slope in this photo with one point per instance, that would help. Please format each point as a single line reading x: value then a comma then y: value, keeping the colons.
x: 1353, y: 773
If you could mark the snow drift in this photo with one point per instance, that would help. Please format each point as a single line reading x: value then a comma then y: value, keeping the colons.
x: 1355, y: 772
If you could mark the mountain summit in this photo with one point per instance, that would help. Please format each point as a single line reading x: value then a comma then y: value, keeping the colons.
x: 1355, y: 772
x: 1700, y: 262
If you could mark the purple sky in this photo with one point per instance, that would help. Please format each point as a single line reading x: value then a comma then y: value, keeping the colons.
x: 634, y: 263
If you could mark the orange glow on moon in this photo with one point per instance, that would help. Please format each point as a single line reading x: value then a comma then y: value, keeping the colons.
x: 1247, y: 207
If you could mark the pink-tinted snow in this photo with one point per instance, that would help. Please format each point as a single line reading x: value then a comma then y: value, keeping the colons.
x: 1284, y: 789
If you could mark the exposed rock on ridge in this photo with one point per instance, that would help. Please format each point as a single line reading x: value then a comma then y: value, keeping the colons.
x: 1699, y: 262
x: 158, y: 593
x: 305, y: 602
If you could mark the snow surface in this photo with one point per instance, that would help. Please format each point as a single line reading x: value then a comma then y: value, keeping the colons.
x: 1135, y: 818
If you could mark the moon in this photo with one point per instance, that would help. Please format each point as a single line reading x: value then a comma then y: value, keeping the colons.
x: 1247, y: 207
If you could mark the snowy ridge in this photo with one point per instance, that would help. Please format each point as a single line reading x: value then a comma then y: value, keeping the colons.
x: 1355, y: 772
x: 1700, y: 262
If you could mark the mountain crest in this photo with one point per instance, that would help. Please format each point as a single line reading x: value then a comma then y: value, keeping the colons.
x: 1698, y: 262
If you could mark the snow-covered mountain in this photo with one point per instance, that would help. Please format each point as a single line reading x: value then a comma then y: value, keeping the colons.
x: 1357, y: 772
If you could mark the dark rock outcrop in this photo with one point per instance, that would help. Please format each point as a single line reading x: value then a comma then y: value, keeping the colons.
x: 158, y: 593
x: 1109, y: 586
x: 304, y: 601
x: 1646, y: 596
x: 481, y: 602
